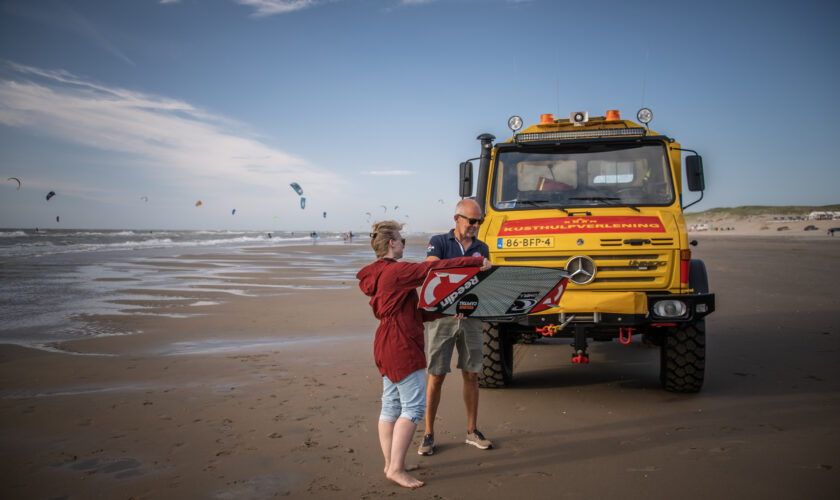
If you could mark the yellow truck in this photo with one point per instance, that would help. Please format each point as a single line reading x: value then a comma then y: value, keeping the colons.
x: 600, y: 197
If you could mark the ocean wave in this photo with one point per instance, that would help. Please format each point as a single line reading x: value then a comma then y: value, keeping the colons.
x: 12, y: 234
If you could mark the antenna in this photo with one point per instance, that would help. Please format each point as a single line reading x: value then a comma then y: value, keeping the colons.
x: 644, y: 79
x: 558, y: 82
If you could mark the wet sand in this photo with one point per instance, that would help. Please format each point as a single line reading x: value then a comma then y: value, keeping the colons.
x: 273, y: 396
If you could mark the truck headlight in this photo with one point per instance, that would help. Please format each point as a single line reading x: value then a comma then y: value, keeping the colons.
x: 515, y: 123
x: 669, y: 309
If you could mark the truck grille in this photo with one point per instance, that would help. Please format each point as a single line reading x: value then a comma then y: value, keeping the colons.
x: 650, y: 268
x: 620, y: 242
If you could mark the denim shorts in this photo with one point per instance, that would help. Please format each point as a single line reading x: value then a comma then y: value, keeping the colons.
x: 405, y: 399
x: 446, y: 334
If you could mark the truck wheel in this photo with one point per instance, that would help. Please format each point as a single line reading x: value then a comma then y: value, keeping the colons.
x: 683, y: 358
x: 498, y: 357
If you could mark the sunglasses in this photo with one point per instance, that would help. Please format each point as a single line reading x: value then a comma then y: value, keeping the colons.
x: 402, y: 239
x: 471, y: 221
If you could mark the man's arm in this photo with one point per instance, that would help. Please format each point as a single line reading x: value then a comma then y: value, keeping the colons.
x: 435, y: 250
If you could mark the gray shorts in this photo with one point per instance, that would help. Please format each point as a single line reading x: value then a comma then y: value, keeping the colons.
x: 445, y: 334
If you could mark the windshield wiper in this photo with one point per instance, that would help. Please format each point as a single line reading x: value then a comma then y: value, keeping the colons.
x: 606, y: 200
x: 536, y: 203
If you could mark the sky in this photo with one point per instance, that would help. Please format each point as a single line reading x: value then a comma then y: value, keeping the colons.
x: 132, y: 111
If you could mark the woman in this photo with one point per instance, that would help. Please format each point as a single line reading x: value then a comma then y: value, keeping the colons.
x: 398, y: 346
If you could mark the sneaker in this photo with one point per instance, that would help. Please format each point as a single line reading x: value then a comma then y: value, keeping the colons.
x: 477, y: 439
x: 428, y: 446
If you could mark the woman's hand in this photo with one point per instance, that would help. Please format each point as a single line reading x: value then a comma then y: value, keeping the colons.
x: 486, y: 265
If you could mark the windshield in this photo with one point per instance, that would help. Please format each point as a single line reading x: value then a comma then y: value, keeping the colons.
x: 583, y: 175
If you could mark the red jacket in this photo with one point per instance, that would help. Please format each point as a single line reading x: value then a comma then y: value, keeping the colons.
x: 398, y: 348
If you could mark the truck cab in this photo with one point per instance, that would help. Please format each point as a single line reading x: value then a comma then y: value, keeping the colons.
x: 600, y: 197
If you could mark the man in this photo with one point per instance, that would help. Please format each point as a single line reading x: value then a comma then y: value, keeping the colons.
x: 447, y: 333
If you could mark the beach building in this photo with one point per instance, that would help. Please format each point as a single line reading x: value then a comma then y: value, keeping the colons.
x: 824, y: 215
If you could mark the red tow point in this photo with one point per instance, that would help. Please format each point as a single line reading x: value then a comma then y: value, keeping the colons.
x: 580, y: 359
x: 621, y: 337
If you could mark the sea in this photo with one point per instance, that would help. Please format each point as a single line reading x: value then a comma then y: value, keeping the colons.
x: 51, y: 279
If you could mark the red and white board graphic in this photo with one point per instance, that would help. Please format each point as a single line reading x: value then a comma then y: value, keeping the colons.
x: 499, y: 292
x: 442, y: 282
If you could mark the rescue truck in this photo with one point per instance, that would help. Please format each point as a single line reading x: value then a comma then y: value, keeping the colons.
x: 602, y: 198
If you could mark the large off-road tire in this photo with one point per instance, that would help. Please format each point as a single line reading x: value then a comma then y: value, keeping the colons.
x: 683, y: 358
x: 498, y: 357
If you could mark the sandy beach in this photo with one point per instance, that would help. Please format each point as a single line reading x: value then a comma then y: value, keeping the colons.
x: 277, y: 396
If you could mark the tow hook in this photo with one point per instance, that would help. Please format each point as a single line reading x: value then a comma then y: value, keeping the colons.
x: 580, y: 359
x: 551, y: 329
x: 621, y: 335
x: 580, y: 356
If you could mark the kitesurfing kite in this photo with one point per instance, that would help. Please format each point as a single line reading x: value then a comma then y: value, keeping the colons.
x: 57, y: 218
x: 198, y: 203
x: 384, y: 208
x: 145, y: 198
x: 232, y: 212
x: 297, y: 188
x: 50, y: 195
x: 302, y: 202
x: 15, y: 179
x: 325, y: 215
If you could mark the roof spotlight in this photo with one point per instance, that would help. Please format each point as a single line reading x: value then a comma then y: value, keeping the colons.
x: 515, y: 123
x: 644, y: 116
x: 579, y: 117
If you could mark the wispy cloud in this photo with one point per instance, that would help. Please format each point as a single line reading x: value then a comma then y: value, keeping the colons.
x: 390, y: 172
x: 271, y: 7
x: 64, y: 17
x: 163, y: 134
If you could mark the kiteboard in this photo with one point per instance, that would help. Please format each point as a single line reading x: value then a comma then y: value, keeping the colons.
x: 498, y: 292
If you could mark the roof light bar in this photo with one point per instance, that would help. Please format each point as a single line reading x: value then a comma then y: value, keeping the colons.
x: 578, y: 134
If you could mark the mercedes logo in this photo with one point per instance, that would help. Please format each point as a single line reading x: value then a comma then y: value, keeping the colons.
x: 581, y: 270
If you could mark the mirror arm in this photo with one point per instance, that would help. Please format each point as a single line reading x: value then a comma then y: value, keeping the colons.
x: 693, y: 202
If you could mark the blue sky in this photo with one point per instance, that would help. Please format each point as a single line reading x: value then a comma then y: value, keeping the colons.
x: 372, y: 103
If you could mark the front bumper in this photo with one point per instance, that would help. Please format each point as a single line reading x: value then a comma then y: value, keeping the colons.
x: 620, y: 309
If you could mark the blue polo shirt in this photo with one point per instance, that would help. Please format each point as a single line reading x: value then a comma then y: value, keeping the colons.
x: 446, y: 246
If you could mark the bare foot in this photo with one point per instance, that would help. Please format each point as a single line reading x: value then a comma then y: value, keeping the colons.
x: 404, y: 479
x: 407, y: 468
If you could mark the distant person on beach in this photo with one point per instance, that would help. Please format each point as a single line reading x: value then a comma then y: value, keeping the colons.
x: 398, y: 347
x: 449, y: 333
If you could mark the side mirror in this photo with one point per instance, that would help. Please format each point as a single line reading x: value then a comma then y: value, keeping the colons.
x: 465, y: 183
x: 694, y: 173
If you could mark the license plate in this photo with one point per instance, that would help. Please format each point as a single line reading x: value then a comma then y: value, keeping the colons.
x: 525, y: 242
